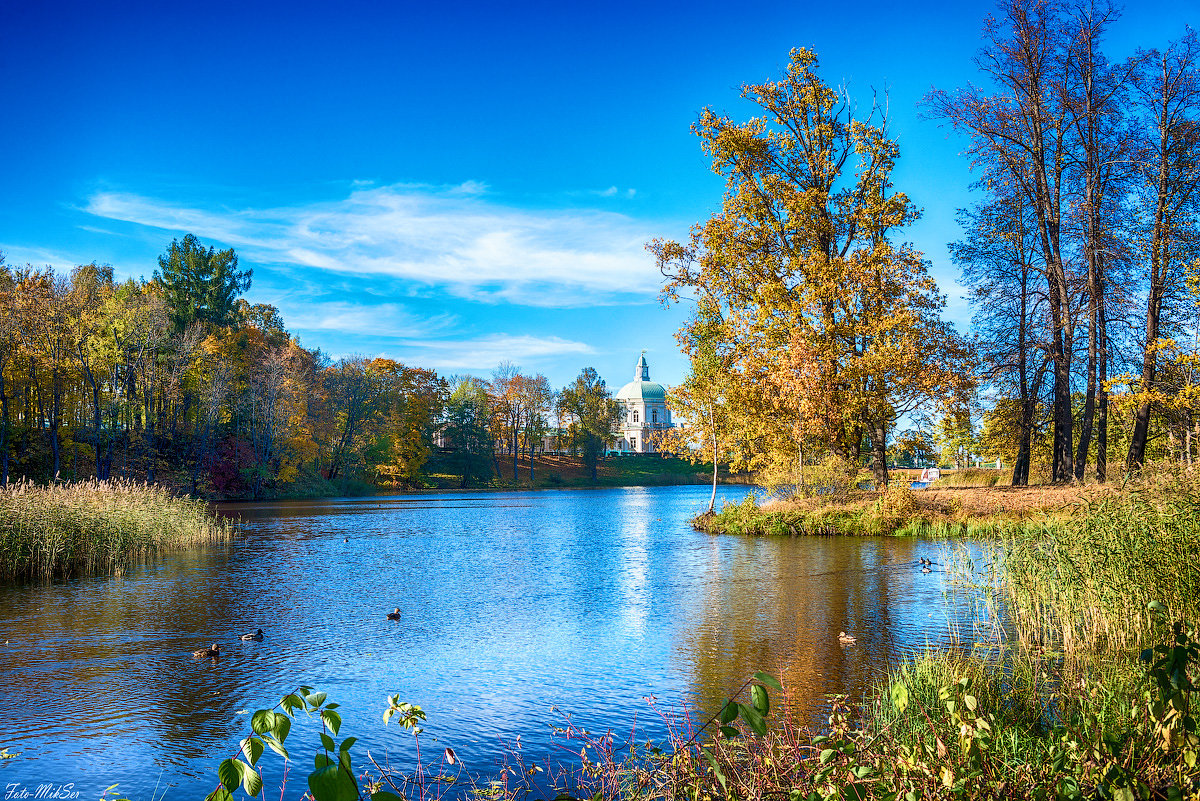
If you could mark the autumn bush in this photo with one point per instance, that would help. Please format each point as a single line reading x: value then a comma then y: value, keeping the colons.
x: 93, y: 526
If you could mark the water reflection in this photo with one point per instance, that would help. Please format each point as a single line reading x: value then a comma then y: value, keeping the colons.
x: 512, y: 603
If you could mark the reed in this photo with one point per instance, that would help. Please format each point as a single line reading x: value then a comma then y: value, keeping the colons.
x: 96, y: 526
x: 1088, y: 582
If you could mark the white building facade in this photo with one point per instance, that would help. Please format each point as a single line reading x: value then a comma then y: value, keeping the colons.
x: 646, y: 413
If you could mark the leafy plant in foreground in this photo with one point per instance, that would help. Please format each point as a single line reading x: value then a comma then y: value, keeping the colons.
x: 333, y: 777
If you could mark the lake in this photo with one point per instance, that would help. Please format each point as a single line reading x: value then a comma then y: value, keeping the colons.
x: 517, y: 608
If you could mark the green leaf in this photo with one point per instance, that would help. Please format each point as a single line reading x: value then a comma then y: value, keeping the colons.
x: 769, y: 680
x: 331, y: 719
x: 728, y: 712
x: 251, y: 782
x: 275, y: 745
x: 346, y: 744
x: 262, y: 721
x: 327, y: 742
x: 230, y: 774
x: 316, y: 699
x: 331, y: 783
x: 716, y: 768
x: 385, y: 795
x: 899, y: 693
x: 1123, y: 793
x: 219, y: 794
x: 252, y: 749
x: 754, y: 719
x: 758, y: 697
x: 971, y: 702
x: 283, y: 725
x: 827, y: 755
x: 863, y: 771
x: 1155, y: 606
x: 729, y: 732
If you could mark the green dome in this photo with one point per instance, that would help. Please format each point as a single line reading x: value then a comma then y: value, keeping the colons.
x: 641, y: 387
x: 642, y: 390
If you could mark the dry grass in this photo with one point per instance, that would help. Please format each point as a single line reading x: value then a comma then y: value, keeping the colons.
x: 959, y: 504
x: 96, y: 526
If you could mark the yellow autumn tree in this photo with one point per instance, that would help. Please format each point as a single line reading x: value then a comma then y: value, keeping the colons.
x: 832, y: 327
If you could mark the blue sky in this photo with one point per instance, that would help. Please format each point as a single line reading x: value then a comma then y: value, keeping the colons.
x: 448, y: 185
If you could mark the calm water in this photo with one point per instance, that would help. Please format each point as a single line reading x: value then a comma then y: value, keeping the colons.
x: 512, y: 603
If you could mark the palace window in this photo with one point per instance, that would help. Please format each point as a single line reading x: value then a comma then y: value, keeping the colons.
x: 635, y: 417
x: 633, y: 443
x: 654, y: 413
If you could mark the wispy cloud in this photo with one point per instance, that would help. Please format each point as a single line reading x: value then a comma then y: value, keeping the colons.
x: 383, y: 320
x: 484, y: 353
x: 452, y: 238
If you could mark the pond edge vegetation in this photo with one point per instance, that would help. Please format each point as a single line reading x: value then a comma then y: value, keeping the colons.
x: 78, y: 528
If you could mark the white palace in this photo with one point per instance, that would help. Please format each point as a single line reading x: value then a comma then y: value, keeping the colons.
x: 646, y: 412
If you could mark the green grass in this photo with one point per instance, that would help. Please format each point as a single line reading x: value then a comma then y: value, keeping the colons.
x: 96, y: 526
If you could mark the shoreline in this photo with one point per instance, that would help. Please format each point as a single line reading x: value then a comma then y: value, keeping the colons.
x: 901, y: 511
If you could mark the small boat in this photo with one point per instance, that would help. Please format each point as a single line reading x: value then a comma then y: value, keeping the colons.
x: 256, y: 636
x: 846, y: 639
x: 394, y: 615
x: 213, y: 652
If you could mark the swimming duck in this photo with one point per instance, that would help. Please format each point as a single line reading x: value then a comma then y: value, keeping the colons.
x: 256, y: 636
x: 926, y: 569
x: 214, y: 652
x: 394, y: 615
x: 846, y: 639
x: 925, y: 561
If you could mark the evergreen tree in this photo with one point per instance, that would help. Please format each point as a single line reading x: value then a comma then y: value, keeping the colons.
x: 200, y: 285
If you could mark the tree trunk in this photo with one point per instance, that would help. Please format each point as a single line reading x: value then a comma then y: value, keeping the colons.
x: 878, y: 437
x: 1089, y: 402
x: 712, y: 499
x: 1141, y: 417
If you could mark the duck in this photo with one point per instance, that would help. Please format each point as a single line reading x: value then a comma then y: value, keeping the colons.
x: 256, y: 636
x: 846, y: 639
x: 214, y: 652
x: 925, y: 561
x: 345, y: 539
x: 926, y: 569
x: 394, y: 615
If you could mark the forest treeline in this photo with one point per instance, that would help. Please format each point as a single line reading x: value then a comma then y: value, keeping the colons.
x: 817, y: 330
x: 178, y: 380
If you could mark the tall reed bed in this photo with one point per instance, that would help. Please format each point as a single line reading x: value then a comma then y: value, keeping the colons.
x: 96, y: 526
x: 1087, y: 582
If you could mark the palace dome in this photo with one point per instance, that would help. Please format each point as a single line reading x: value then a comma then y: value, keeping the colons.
x: 641, y: 387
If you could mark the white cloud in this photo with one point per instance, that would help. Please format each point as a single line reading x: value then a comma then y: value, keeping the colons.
x: 452, y: 238
x: 482, y: 354
x: 380, y: 320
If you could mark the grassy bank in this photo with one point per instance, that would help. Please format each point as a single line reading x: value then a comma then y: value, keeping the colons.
x: 949, y: 512
x: 95, y: 526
